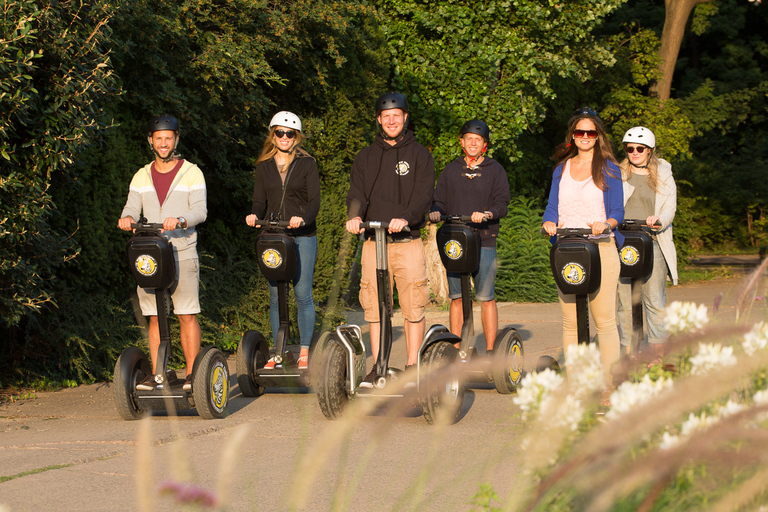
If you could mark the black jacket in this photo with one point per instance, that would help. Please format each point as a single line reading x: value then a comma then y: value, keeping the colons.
x: 390, y: 182
x: 462, y: 192
x: 302, y: 194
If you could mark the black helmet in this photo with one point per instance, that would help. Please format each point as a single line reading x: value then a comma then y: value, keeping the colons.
x: 477, y: 127
x: 163, y: 122
x: 391, y: 100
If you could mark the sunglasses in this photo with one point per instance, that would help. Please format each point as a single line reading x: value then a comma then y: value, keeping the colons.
x: 592, y: 134
x: 639, y: 149
x: 287, y: 133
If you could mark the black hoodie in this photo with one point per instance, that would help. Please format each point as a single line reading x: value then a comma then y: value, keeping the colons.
x: 392, y: 182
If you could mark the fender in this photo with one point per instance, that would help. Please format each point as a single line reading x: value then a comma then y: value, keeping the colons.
x: 129, y: 359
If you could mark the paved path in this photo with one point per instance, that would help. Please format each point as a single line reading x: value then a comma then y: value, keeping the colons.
x: 68, y: 450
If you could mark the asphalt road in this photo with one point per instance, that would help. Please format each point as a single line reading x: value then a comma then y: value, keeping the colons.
x: 68, y: 450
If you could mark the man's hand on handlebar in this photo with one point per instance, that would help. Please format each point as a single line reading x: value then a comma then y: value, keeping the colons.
x: 397, y: 225
x: 479, y: 217
x: 434, y: 216
x: 251, y: 220
x: 125, y: 223
x: 296, y: 222
x: 353, y: 226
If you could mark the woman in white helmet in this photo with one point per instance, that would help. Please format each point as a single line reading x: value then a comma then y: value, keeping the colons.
x: 649, y: 193
x: 287, y: 187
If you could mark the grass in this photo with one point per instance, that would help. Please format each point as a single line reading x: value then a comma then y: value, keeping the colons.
x: 692, y: 274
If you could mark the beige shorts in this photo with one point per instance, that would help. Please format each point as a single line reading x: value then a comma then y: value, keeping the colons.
x: 184, y: 292
x: 407, y: 266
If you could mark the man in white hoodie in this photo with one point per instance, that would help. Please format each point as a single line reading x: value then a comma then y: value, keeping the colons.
x: 172, y: 191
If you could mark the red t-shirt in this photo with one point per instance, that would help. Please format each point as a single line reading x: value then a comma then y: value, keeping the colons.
x: 163, y: 181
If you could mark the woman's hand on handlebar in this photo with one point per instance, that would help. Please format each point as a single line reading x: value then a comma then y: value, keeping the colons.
x: 651, y: 222
x: 599, y: 226
x: 550, y: 227
x: 296, y: 222
x: 251, y: 220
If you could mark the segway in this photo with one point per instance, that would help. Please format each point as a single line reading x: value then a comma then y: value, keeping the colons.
x: 459, y: 248
x: 636, y: 256
x: 342, y: 368
x: 152, y: 263
x: 278, y: 261
x: 575, y: 264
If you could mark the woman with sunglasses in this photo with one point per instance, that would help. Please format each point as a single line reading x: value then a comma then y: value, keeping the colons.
x: 649, y: 193
x: 287, y: 187
x: 587, y: 193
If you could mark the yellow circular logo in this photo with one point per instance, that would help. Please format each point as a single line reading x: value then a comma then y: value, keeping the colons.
x: 219, y: 387
x: 146, y: 265
x: 271, y: 258
x: 453, y: 249
x: 629, y: 255
x: 573, y: 273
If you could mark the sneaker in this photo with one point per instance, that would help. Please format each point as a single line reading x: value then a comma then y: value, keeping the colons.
x: 187, y: 383
x: 410, y: 374
x: 368, y: 380
x: 304, y: 360
x: 148, y: 384
x: 270, y: 364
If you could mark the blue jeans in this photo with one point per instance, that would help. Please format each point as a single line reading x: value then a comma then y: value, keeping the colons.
x: 306, y: 250
x: 484, y: 277
x: 653, y: 291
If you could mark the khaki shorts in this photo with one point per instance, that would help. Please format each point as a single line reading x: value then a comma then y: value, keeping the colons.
x: 407, y: 265
x: 184, y: 292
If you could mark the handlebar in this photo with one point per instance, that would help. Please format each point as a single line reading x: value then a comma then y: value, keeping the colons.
x: 381, y: 225
x: 574, y: 231
x: 275, y: 223
x: 455, y: 218
x: 628, y: 223
x: 150, y: 226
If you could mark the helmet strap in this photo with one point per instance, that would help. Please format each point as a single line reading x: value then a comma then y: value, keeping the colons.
x: 472, y: 160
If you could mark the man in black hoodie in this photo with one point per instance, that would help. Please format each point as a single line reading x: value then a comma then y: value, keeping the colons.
x: 392, y: 181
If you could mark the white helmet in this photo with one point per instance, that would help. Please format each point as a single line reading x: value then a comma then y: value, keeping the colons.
x: 640, y: 135
x: 287, y: 119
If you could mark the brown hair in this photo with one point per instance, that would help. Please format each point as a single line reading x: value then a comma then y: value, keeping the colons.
x: 653, y: 170
x: 270, y: 148
x: 602, y: 153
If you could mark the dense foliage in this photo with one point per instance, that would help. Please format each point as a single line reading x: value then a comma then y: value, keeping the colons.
x: 70, y: 69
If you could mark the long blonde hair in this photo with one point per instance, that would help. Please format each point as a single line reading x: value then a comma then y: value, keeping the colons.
x: 603, y: 153
x: 653, y: 170
x: 270, y: 148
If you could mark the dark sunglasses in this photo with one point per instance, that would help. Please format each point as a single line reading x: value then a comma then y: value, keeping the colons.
x: 630, y: 150
x: 592, y: 134
x: 288, y: 133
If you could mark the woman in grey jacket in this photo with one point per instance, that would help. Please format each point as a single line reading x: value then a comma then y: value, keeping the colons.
x: 649, y: 193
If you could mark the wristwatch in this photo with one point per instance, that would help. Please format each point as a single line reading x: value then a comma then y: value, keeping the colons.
x: 183, y: 222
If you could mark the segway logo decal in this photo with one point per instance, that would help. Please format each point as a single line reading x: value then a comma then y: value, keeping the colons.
x: 146, y: 265
x: 402, y: 168
x: 272, y: 258
x: 573, y: 273
x: 219, y: 385
x: 453, y: 249
x: 629, y: 255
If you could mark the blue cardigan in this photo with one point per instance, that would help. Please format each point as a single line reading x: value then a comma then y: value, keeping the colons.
x: 613, y: 197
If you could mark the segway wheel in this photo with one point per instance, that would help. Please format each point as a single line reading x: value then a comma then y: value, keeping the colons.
x: 252, y: 354
x: 442, y: 394
x: 547, y: 362
x: 131, y: 368
x: 508, y: 362
x: 210, y: 386
x: 331, y: 380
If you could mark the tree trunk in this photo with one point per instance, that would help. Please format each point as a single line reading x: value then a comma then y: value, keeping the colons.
x: 675, y: 20
x: 438, y: 283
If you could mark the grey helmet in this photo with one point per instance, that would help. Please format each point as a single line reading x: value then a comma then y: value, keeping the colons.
x: 163, y: 122
x: 391, y: 100
x: 477, y: 127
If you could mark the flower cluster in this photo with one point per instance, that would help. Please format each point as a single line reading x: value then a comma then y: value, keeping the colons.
x: 698, y: 423
x: 585, y: 370
x: 710, y: 356
x: 756, y: 339
x: 631, y: 394
x: 685, y: 316
x: 535, y: 389
x: 186, y: 494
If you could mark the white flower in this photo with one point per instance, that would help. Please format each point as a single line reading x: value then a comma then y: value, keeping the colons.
x: 567, y: 413
x: 669, y: 441
x: 631, y: 394
x: 710, y: 356
x: 585, y: 369
x: 535, y: 388
x: 761, y: 397
x: 684, y: 316
x: 698, y: 423
x: 756, y: 339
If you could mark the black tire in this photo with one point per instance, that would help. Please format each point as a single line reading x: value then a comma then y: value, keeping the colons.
x: 545, y: 362
x: 252, y: 354
x: 210, y: 387
x: 441, y: 391
x: 331, y: 381
x: 508, y: 362
x: 131, y: 368
x: 316, y: 349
